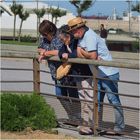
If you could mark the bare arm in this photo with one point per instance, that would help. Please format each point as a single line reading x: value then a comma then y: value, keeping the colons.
x: 87, y: 55
x: 43, y: 53
x: 79, y: 54
x: 51, y: 53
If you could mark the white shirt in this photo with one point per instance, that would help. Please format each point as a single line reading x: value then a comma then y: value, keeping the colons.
x: 92, y: 42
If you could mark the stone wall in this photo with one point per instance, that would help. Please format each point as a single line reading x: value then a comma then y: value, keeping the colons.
x: 124, y: 25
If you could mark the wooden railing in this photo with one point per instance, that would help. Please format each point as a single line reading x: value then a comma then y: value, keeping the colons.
x: 127, y: 60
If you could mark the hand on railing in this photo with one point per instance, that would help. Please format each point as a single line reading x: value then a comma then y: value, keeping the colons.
x: 99, y: 58
x: 65, y: 56
x: 79, y: 52
x: 41, y: 54
x: 40, y: 58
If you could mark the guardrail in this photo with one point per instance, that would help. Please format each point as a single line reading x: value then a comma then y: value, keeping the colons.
x: 125, y: 61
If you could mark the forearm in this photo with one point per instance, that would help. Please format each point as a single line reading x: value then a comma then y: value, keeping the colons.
x: 79, y: 54
x: 85, y: 54
x: 51, y: 53
x: 89, y: 55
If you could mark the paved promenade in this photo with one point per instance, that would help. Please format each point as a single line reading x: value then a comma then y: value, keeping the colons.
x: 131, y: 117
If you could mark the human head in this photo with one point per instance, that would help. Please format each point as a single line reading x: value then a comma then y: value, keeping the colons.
x: 76, y: 26
x: 47, y: 29
x: 64, y: 35
x: 102, y: 26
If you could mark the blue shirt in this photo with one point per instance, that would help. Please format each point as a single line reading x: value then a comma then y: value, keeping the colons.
x: 55, y: 44
x: 92, y: 42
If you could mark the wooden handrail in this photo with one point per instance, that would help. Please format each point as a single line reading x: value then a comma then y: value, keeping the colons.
x: 121, y: 64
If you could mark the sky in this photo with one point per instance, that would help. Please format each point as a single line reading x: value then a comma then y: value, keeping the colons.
x: 100, y: 7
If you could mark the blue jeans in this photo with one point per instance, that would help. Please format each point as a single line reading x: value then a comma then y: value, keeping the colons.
x: 112, y: 86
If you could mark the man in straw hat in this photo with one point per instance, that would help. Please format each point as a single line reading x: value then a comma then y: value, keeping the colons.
x: 91, y: 46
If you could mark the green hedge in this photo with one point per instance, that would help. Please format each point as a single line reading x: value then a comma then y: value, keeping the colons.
x: 21, y: 111
x: 135, y: 46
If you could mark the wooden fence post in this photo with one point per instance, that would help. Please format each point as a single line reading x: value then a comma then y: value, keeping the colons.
x: 36, y: 76
x: 95, y: 99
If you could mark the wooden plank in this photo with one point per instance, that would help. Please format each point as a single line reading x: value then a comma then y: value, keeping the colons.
x: 36, y: 76
x: 121, y: 64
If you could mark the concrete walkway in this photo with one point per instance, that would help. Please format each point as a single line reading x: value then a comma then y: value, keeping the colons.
x: 70, y: 132
x: 131, y: 117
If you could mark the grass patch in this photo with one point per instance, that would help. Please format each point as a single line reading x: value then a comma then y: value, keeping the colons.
x: 18, y: 43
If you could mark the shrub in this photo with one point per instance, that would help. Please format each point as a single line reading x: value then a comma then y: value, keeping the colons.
x: 27, y: 38
x: 21, y: 111
x: 135, y: 46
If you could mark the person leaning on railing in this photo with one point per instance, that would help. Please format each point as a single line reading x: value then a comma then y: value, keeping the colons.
x: 69, y: 50
x: 91, y: 46
x: 49, y: 46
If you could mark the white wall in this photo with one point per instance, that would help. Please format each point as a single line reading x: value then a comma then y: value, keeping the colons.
x: 8, y: 21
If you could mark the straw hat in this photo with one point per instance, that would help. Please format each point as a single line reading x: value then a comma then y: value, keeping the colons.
x: 75, y: 23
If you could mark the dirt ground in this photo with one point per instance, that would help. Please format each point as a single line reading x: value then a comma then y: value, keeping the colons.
x: 34, y: 135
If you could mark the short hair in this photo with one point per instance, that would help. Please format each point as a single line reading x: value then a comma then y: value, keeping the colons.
x: 64, y: 30
x: 47, y: 26
x: 102, y: 25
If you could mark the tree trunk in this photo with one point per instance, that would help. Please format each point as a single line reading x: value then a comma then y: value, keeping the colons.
x: 52, y: 19
x: 55, y: 20
x: 37, y: 27
x: 14, y: 27
x: 38, y: 37
x: 20, y: 31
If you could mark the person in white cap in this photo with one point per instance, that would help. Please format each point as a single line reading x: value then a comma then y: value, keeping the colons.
x: 84, y: 94
x: 91, y: 46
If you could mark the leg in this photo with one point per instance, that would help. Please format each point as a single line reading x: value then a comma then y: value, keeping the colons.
x: 112, y: 86
x: 89, y: 97
x: 86, y: 108
x: 82, y: 97
x: 73, y: 92
x: 101, y: 96
x: 58, y: 91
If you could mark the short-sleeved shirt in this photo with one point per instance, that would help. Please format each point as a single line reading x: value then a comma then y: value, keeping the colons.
x: 93, y: 42
x: 55, y: 44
